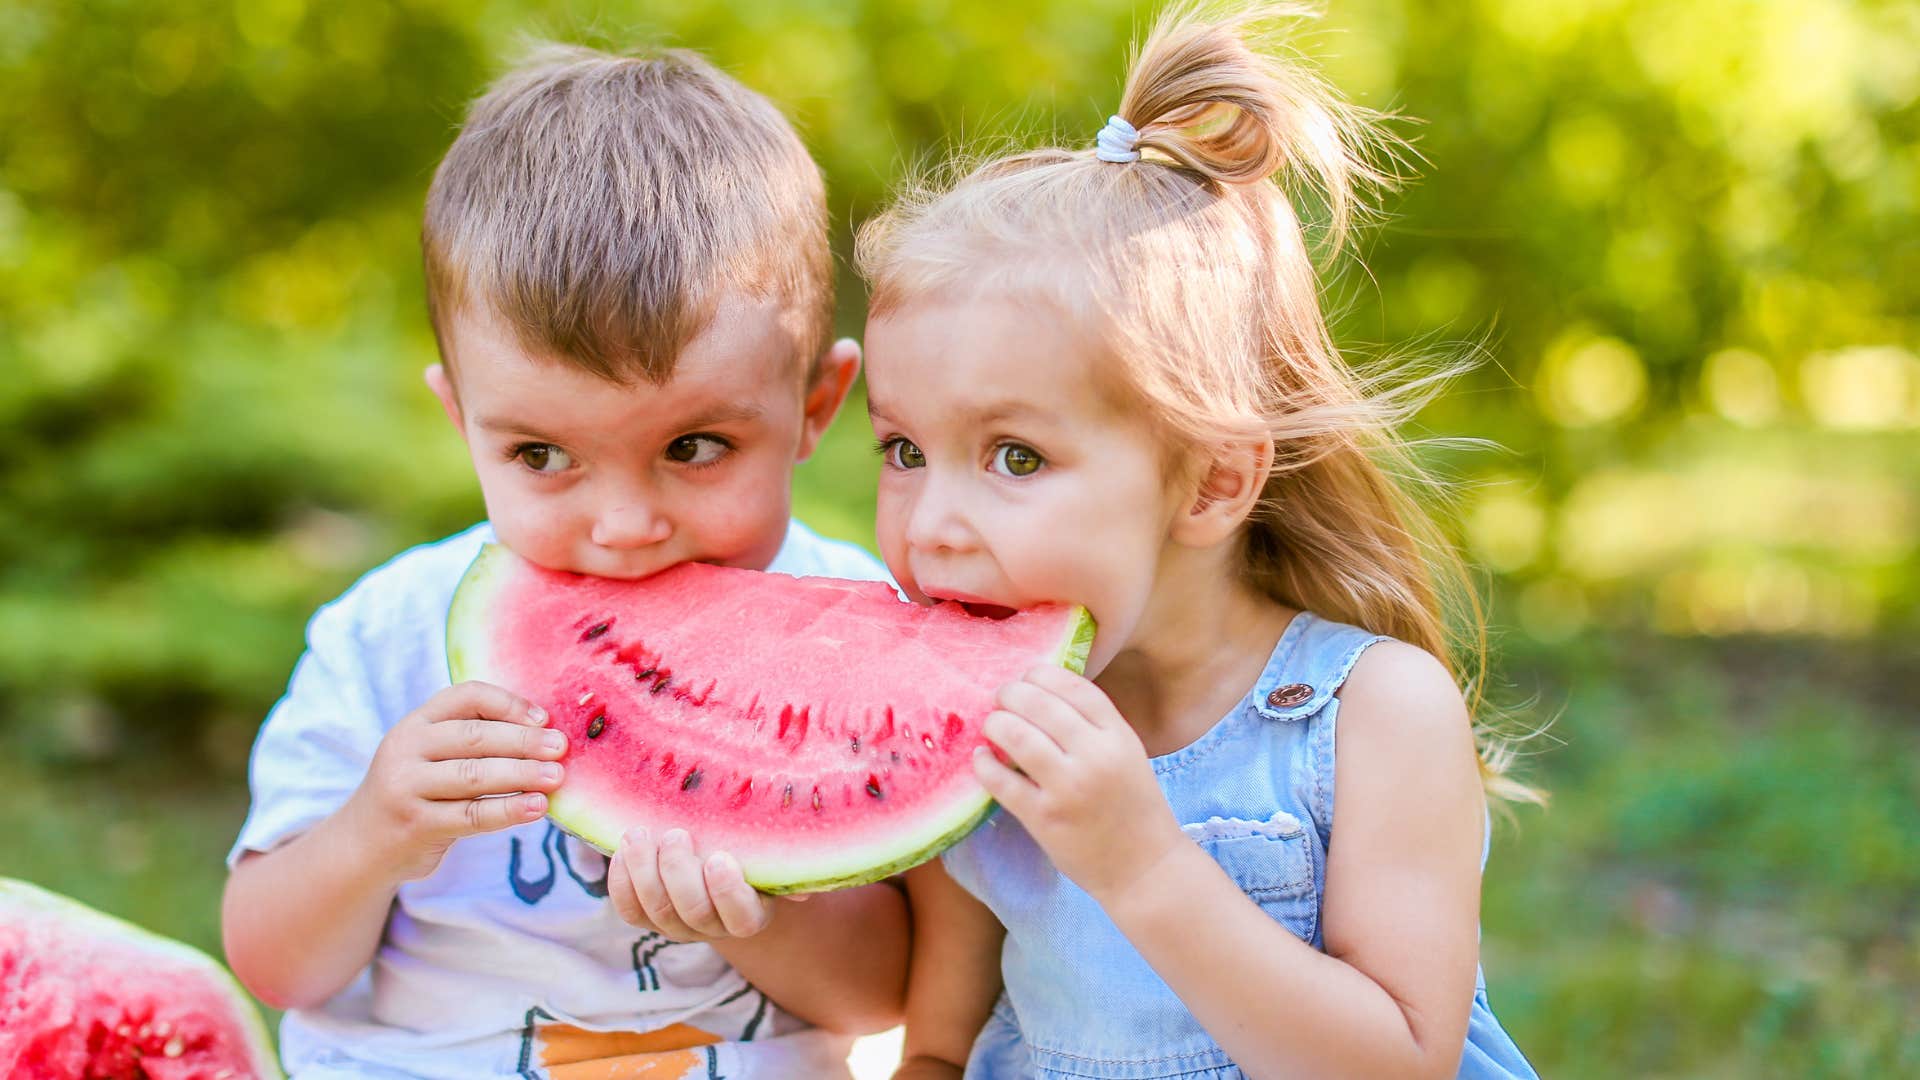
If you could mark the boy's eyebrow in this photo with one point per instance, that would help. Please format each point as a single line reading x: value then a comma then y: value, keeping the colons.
x: 733, y: 412
x: 508, y: 426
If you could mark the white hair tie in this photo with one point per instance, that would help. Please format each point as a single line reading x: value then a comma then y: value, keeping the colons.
x: 1116, y: 141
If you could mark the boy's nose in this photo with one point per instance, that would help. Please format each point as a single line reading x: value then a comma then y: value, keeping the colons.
x: 630, y: 525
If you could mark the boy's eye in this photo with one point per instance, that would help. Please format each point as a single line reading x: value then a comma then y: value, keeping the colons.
x: 697, y: 449
x: 544, y: 457
x: 1012, y: 459
x: 902, y: 454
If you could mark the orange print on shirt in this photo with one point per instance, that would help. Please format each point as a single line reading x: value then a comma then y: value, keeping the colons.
x: 570, y: 1053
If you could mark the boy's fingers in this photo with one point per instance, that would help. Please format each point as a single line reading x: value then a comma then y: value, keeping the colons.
x: 687, y: 884
x: 467, y: 817
x: 620, y: 891
x: 621, y: 884
x: 741, y: 909
x: 643, y: 867
x: 469, y: 778
x: 484, y: 700
x: 477, y: 738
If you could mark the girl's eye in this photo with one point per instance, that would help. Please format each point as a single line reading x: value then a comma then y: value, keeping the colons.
x: 1012, y: 459
x: 697, y: 449
x: 902, y: 454
x: 544, y: 458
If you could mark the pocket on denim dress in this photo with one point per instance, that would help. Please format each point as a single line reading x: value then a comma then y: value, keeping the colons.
x: 1271, y: 861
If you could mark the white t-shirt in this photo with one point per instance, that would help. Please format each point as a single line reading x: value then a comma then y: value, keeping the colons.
x: 507, y: 961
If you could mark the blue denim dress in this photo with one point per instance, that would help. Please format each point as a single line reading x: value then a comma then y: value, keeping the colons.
x: 1257, y: 792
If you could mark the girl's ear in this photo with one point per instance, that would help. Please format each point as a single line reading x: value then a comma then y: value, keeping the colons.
x: 1225, y: 493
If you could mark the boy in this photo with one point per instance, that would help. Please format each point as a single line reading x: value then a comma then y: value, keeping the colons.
x: 628, y: 277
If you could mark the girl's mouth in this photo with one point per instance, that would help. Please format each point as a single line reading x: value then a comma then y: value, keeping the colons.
x: 990, y: 611
x: 973, y: 605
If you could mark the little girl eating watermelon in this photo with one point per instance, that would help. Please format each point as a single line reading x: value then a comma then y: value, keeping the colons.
x: 1103, y: 375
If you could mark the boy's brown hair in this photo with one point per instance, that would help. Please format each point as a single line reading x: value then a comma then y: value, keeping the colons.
x: 600, y: 205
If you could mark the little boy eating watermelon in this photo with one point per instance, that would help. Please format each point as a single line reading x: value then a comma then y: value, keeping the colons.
x: 629, y: 279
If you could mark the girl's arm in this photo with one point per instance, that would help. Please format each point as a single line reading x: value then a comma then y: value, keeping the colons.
x: 954, y: 978
x: 1391, y: 995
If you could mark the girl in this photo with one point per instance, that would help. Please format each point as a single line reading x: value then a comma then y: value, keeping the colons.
x: 1102, y: 376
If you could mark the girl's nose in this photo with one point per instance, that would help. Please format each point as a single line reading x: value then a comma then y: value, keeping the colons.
x: 630, y: 524
x: 937, y: 523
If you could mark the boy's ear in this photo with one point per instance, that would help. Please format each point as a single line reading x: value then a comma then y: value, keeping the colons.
x: 828, y: 391
x: 1225, y: 493
x: 441, y: 383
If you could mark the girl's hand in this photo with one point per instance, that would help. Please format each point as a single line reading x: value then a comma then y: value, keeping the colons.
x: 474, y: 758
x: 666, y: 887
x: 1084, y: 788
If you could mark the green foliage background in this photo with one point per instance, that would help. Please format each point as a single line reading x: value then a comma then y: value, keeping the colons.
x: 1688, y: 234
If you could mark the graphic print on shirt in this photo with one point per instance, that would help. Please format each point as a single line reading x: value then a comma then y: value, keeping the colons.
x: 563, y: 1052
x: 556, y: 847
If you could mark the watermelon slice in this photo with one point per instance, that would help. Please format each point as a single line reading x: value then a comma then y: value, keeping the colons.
x: 84, y: 995
x: 818, y: 730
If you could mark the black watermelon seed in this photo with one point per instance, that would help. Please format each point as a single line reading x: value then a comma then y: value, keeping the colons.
x: 786, y: 797
x: 856, y: 744
x: 895, y: 755
x: 595, y: 631
x: 596, y: 726
x: 643, y: 676
x: 873, y: 786
x: 692, y: 780
x: 659, y: 686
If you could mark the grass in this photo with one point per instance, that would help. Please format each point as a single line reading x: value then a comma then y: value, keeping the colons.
x: 1726, y: 884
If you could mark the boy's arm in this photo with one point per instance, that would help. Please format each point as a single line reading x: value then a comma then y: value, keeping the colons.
x: 955, y: 977
x: 838, y: 961
x: 300, y: 921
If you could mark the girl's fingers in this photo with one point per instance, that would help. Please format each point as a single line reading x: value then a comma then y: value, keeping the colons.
x: 1088, y: 702
x: 468, y: 778
x: 741, y: 910
x: 1048, y: 712
x: 490, y: 813
x: 450, y: 740
x: 1008, y: 788
x: 1030, y: 749
x: 686, y: 885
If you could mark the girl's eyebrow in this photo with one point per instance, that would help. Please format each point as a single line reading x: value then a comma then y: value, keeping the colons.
x: 999, y: 411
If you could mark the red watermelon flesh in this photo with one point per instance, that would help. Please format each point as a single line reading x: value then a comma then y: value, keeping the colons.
x: 85, y: 996
x: 818, y: 730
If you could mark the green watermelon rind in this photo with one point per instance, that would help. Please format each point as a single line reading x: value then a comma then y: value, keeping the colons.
x: 469, y: 657
x: 24, y: 896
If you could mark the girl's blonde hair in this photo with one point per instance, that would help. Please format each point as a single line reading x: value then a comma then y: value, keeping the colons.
x: 1194, y: 269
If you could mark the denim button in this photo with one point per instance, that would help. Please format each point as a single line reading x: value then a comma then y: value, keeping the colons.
x: 1289, y: 695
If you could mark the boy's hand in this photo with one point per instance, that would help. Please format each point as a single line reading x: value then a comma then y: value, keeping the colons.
x: 668, y: 888
x: 473, y: 759
x: 1080, y: 780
